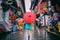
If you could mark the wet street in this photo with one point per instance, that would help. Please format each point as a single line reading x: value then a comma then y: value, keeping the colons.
x: 43, y: 12
x: 22, y: 35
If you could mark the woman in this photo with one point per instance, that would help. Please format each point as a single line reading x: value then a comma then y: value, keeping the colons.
x: 28, y: 28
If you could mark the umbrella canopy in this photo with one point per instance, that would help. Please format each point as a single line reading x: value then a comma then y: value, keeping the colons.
x: 29, y: 17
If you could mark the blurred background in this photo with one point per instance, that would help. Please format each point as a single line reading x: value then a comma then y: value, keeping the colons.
x: 46, y: 26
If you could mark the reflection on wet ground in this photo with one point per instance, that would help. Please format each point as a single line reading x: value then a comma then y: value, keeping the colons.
x: 22, y: 35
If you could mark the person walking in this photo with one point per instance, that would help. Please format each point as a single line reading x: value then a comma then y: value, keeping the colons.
x: 14, y: 26
x: 28, y: 28
x: 20, y: 23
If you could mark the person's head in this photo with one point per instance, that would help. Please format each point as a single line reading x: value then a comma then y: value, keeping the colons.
x: 52, y: 18
x: 19, y: 13
x: 52, y: 9
x: 39, y: 20
x: 10, y: 13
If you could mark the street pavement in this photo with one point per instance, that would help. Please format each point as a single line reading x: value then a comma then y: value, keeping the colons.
x: 22, y: 35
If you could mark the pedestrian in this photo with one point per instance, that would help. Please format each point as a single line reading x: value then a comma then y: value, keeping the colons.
x: 13, y: 17
x: 38, y: 26
x: 20, y: 23
x: 55, y: 16
x: 14, y: 26
x: 10, y: 25
x: 53, y: 24
x: 32, y: 26
x: 14, y: 22
x: 28, y: 28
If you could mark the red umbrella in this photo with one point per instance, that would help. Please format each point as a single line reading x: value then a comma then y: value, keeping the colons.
x: 29, y: 17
